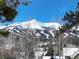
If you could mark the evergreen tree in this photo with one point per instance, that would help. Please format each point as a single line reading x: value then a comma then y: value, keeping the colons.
x: 4, y: 33
x: 71, y: 19
x: 8, y: 9
x: 8, y: 12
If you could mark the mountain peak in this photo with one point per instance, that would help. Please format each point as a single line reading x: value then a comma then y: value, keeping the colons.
x: 35, y: 24
x: 33, y: 20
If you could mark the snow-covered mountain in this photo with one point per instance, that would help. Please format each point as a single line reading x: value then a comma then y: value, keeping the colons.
x: 34, y: 24
x: 38, y: 26
x: 44, y: 30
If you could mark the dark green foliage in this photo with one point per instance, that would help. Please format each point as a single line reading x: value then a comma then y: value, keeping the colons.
x: 8, y: 10
x: 65, y: 27
x: 69, y: 16
x: 4, y: 33
x: 8, y: 13
x: 71, y: 19
x: 2, y: 2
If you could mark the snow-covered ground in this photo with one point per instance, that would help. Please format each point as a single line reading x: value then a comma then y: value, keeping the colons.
x: 69, y: 51
x: 46, y: 57
x: 40, y: 53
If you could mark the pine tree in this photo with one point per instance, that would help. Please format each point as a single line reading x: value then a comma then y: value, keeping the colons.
x: 8, y: 9
x: 71, y: 19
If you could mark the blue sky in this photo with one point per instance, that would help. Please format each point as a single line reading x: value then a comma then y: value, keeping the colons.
x: 45, y: 10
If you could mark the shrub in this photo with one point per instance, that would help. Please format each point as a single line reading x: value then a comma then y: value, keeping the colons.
x: 4, y: 33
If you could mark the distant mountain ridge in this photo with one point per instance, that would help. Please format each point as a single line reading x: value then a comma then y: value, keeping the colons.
x: 39, y: 29
x: 34, y: 24
x: 42, y: 30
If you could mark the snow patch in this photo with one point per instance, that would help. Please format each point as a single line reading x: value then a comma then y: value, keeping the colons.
x: 69, y: 51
